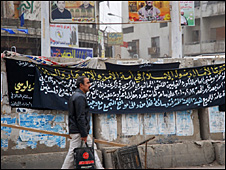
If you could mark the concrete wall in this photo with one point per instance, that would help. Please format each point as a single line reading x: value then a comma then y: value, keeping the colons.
x: 208, y: 16
x: 132, y: 129
x: 185, y: 154
x: 168, y: 128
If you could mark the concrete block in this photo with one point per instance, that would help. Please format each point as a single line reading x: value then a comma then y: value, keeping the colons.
x: 177, y: 155
x: 107, y: 157
x: 220, y: 152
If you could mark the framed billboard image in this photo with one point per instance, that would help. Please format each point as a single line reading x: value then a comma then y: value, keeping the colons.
x: 72, y: 11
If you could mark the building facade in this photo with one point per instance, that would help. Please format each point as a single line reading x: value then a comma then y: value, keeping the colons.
x: 153, y: 40
x: 30, y: 43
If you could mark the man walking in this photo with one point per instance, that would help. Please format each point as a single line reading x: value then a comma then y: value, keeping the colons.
x: 79, y: 122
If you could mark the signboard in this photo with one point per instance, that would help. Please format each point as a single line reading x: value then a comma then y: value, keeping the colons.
x: 82, y: 53
x: 153, y: 11
x: 187, y: 13
x: 115, y: 38
x: 64, y: 35
x: 133, y: 91
x: 72, y: 11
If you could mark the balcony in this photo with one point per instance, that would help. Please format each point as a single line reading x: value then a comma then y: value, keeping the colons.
x: 212, y: 46
x: 192, y: 48
x: 214, y: 8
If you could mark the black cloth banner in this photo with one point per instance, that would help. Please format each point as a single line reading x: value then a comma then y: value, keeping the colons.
x: 141, y: 67
x: 21, y: 80
x: 133, y: 91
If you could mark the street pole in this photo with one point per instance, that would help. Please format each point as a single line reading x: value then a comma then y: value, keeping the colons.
x: 176, y: 30
x: 45, y: 32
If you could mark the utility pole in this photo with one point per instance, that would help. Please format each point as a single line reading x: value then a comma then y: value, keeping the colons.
x: 176, y: 30
x: 45, y: 32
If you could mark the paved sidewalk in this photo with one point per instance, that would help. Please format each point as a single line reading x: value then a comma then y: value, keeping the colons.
x: 210, y: 166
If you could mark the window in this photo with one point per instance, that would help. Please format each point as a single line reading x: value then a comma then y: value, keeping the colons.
x: 195, y: 36
x: 165, y: 24
x: 128, y: 30
x: 155, y: 43
x: 220, y: 33
x: 134, y: 48
x: 197, y: 4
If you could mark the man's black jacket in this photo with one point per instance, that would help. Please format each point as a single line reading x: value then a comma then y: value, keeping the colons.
x: 79, y: 117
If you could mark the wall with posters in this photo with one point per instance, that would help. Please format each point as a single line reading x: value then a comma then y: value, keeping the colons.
x: 167, y: 127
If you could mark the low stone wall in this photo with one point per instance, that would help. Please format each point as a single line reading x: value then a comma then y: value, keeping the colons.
x: 192, y: 153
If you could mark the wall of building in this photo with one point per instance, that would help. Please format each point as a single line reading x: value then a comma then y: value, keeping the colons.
x: 208, y: 16
x: 169, y: 127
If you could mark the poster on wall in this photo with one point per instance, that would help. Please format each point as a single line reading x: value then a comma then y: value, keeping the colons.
x: 64, y: 35
x: 82, y: 53
x: 187, y: 13
x: 184, y: 123
x: 216, y: 120
x: 152, y: 11
x: 115, y: 38
x: 72, y: 11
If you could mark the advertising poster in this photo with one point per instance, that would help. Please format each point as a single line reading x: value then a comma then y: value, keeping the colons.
x: 154, y: 11
x: 115, y: 38
x: 82, y: 53
x: 72, y: 11
x: 64, y: 35
x: 187, y: 13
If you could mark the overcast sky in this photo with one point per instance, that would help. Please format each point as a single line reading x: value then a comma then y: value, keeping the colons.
x: 113, y: 7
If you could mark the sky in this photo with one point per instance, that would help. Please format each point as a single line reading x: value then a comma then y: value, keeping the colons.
x: 113, y: 7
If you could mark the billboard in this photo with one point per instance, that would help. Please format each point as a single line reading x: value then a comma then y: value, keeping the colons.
x: 152, y: 11
x: 64, y: 35
x: 187, y: 13
x: 72, y: 11
x: 115, y: 38
x: 82, y: 53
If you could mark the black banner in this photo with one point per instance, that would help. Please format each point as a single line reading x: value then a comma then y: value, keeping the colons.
x: 20, y: 76
x: 141, y: 67
x: 133, y: 91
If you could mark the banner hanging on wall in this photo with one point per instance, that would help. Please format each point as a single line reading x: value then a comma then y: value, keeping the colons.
x: 120, y: 92
x: 21, y: 82
x: 152, y: 11
x: 64, y: 35
x: 82, y: 53
x: 72, y: 11
x: 187, y: 13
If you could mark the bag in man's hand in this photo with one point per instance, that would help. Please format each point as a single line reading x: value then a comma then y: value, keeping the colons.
x: 84, y: 157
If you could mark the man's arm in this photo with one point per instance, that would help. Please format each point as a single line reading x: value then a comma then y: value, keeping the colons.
x: 80, y: 114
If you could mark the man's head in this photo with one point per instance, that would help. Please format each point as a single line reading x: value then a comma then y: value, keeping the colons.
x: 86, y: 4
x: 182, y: 12
x: 61, y: 5
x: 83, y: 83
x: 149, y: 3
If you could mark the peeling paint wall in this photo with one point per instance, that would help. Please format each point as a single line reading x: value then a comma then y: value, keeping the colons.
x: 122, y: 128
x: 167, y: 127
x: 24, y: 139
